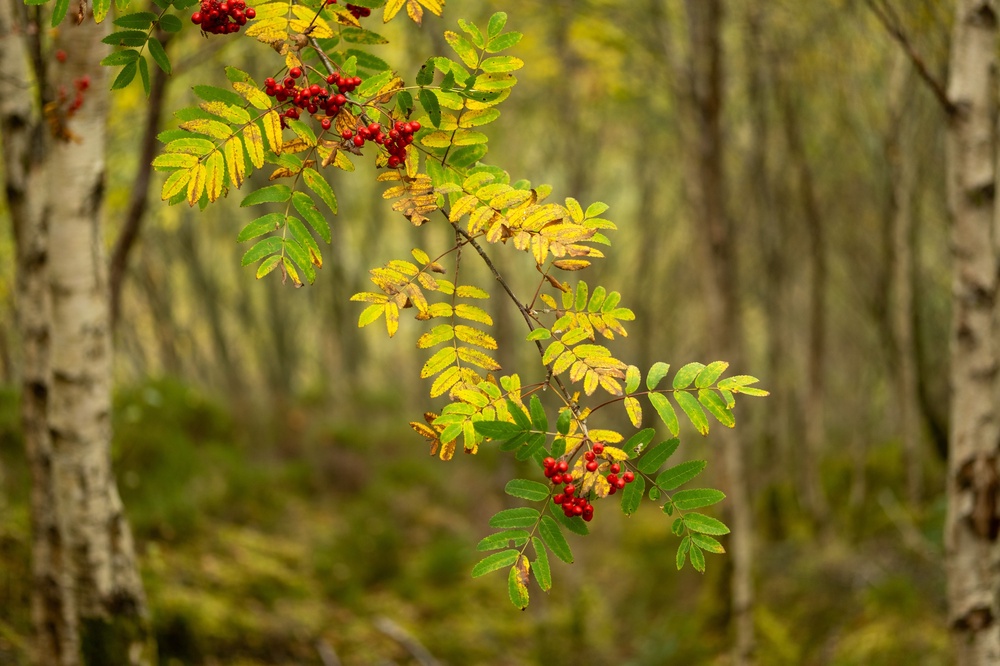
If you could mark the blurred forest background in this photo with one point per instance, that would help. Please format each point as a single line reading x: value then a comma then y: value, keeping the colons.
x: 282, y: 506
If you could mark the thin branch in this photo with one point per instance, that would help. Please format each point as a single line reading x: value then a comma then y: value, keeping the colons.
x: 139, y: 200
x: 407, y: 640
x: 886, y: 16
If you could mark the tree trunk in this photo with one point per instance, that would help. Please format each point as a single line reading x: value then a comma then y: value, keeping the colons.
x: 813, y: 405
x: 903, y: 174
x: 708, y: 193
x: 88, y: 605
x: 972, y: 522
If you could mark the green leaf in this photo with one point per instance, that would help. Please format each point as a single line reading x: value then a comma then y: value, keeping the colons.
x: 518, y: 414
x: 460, y: 45
x: 426, y: 74
x: 699, y: 522
x: 632, y: 495
x: 533, y: 491
x: 271, y: 194
x: 562, y: 423
x: 59, y: 12
x: 100, y: 8
x: 159, y: 55
x: 657, y: 455
x: 262, y: 225
x: 502, y: 540
x: 682, y: 551
x: 496, y: 24
x: 126, y: 38
x: 665, y: 411
x: 656, y: 374
x: 466, y: 156
x: 535, y: 443
x: 678, y: 475
x: 716, y: 406
x: 136, y: 20
x: 696, y: 498
x: 472, y: 30
x: 429, y: 101
x: 503, y: 42
x: 554, y: 539
x: 170, y: 23
x: 707, y: 543
x: 632, y: 377
x: 539, y: 334
x: 318, y: 184
x: 307, y: 209
x: 692, y: 408
x: 576, y: 525
x: 697, y: 558
x: 541, y: 565
x: 538, y: 418
x: 558, y: 448
x: 637, y: 442
x: 687, y: 374
x: 495, y: 561
x: 265, y: 247
x: 501, y: 64
x: 125, y: 76
x: 710, y: 373
x: 122, y: 57
x: 498, y: 429
x: 268, y: 265
x: 214, y: 94
x: 523, y: 516
x: 517, y: 589
x: 144, y: 74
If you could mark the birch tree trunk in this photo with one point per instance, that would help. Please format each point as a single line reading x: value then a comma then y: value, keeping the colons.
x: 88, y: 605
x: 707, y: 185
x: 971, y: 528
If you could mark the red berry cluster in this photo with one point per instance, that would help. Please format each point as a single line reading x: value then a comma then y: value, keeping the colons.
x: 313, y: 98
x: 222, y: 18
x: 395, y: 141
x: 81, y: 84
x: 558, y: 473
x: 358, y: 12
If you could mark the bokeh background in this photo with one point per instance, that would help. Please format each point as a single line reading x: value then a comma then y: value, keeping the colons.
x: 283, y: 507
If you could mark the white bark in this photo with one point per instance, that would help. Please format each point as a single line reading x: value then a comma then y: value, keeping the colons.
x: 972, y: 554
x: 88, y: 605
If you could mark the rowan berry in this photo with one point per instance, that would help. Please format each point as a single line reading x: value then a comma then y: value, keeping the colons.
x: 592, y: 466
x: 629, y: 477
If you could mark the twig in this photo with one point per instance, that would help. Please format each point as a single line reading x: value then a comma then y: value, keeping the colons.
x: 895, y: 30
x: 407, y: 640
x: 327, y: 654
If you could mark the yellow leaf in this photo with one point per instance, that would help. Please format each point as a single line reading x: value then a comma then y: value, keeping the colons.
x: 435, y: 6
x: 462, y: 207
x: 269, y: 30
x: 175, y: 183
x: 605, y: 436
x: 215, y: 167
x: 571, y: 264
x: 614, y: 453
x: 212, y: 128
x: 447, y: 450
x: 255, y: 144
x: 234, y: 161
x: 272, y: 129
x: 634, y: 410
x: 477, y: 358
x: 445, y: 381
x: 391, y: 9
x: 196, y: 186
x: 391, y: 318
x: 473, y: 313
x: 415, y: 12
x: 475, y: 337
x: 270, y: 10
x: 257, y: 97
